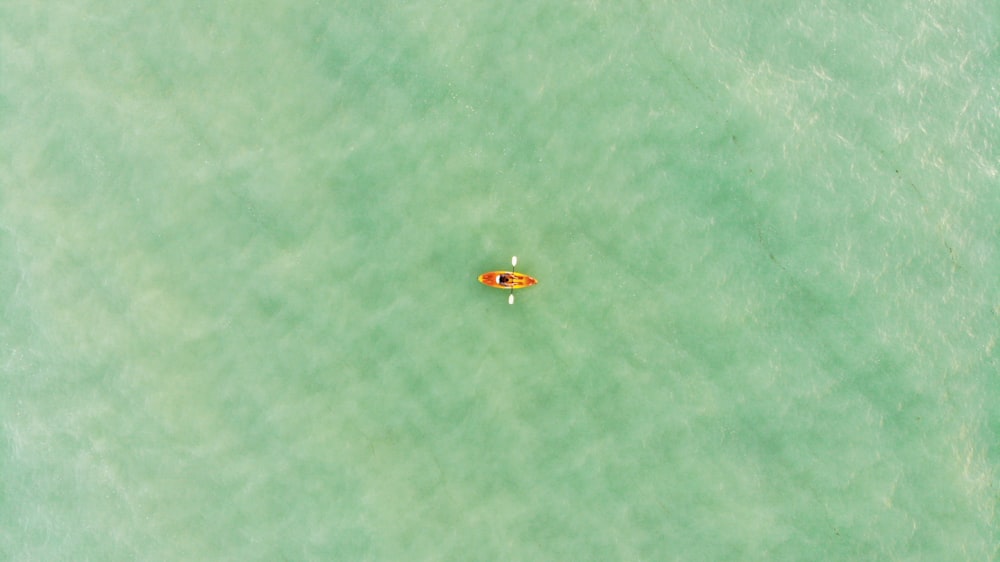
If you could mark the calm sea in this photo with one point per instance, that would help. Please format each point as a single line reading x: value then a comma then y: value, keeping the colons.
x: 239, y: 315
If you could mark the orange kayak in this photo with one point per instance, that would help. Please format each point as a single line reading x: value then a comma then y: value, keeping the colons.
x: 507, y: 279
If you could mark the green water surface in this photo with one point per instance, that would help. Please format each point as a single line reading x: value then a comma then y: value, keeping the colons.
x: 239, y: 316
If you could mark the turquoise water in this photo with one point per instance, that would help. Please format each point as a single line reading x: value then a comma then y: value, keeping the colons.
x: 240, y: 318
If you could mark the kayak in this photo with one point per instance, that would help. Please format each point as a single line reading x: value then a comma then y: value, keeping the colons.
x: 507, y: 279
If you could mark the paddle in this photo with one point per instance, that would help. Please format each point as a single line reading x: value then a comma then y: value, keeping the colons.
x: 513, y: 265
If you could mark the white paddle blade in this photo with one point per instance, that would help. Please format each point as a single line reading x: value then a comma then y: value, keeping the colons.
x: 510, y: 299
x: 513, y: 261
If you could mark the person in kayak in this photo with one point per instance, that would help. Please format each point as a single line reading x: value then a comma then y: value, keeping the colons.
x: 504, y: 280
